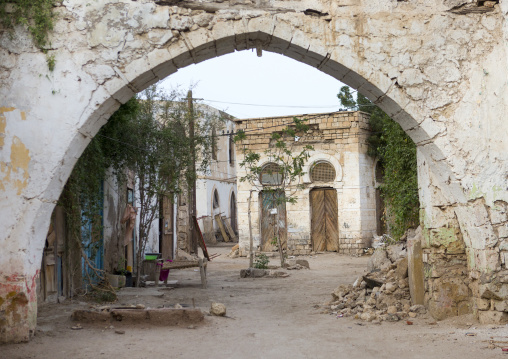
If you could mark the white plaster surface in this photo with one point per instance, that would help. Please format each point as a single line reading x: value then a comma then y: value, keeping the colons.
x: 441, y: 75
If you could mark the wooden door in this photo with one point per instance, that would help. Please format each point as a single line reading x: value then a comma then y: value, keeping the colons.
x: 270, y: 221
x: 167, y: 228
x: 324, y: 220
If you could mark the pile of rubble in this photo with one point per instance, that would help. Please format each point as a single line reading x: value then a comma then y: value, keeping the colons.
x: 382, y: 294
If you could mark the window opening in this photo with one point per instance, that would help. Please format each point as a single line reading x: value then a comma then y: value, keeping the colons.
x: 215, y: 199
x: 231, y: 151
x: 270, y: 175
x: 214, y: 144
x: 322, y: 172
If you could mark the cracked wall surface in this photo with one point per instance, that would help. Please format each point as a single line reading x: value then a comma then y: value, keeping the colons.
x: 437, y: 67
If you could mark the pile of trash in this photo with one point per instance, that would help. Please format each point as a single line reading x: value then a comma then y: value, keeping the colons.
x: 382, y: 294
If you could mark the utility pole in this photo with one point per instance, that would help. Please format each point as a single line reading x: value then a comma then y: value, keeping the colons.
x: 192, y: 192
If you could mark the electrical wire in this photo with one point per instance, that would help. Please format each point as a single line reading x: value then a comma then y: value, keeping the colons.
x: 260, y: 105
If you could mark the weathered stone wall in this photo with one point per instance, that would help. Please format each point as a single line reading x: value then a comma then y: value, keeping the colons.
x: 338, y: 138
x: 438, y: 67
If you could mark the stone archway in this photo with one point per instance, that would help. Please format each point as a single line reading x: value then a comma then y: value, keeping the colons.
x: 424, y: 65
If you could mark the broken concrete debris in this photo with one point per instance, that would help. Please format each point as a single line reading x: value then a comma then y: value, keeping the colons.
x: 382, y: 294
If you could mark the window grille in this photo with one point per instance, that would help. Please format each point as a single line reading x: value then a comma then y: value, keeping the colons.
x: 270, y: 175
x: 322, y: 172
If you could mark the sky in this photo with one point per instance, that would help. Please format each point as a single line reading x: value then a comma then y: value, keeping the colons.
x: 277, y: 85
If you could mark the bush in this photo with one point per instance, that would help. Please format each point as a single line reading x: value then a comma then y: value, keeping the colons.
x: 261, y: 261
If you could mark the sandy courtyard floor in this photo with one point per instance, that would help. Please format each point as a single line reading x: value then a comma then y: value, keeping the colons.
x: 267, y: 318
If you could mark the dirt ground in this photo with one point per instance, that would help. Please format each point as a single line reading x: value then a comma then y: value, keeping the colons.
x: 266, y: 318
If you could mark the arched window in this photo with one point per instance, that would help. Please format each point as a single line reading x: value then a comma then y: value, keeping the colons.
x: 270, y: 175
x: 322, y: 172
x: 215, y: 199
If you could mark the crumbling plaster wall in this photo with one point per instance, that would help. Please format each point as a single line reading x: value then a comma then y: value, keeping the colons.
x: 441, y: 74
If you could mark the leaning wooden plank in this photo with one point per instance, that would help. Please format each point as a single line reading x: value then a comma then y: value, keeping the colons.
x: 230, y: 230
x: 221, y: 226
x: 201, y: 241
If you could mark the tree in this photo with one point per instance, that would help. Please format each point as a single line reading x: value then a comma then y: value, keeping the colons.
x: 167, y: 137
x: 289, y: 156
x: 150, y: 136
x: 397, y: 154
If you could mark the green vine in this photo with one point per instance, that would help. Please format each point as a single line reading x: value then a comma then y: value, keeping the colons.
x: 36, y: 15
x: 397, y: 158
x: 50, y: 60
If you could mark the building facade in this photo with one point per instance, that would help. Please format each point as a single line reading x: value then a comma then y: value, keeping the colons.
x: 336, y: 206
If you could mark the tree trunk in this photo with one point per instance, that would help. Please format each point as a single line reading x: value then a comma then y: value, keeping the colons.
x: 251, y: 240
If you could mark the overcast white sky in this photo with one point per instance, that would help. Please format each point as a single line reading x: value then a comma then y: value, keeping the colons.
x: 291, y: 87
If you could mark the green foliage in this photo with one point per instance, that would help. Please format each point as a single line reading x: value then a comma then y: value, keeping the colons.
x: 50, y: 60
x: 285, y: 151
x: 150, y: 136
x: 36, y: 15
x: 261, y: 261
x: 397, y: 156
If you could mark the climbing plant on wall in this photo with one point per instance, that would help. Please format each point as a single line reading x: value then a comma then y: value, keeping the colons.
x: 397, y: 154
x: 36, y: 15
x: 81, y: 198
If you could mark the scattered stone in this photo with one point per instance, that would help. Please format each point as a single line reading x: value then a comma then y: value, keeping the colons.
x: 381, y: 295
x: 392, y: 309
x: 396, y: 251
x: 235, y: 252
x: 390, y: 287
x: 218, y: 309
x: 295, y: 267
x: 277, y: 274
x: 120, y: 331
x: 191, y: 327
x: 253, y: 273
x: 378, y: 261
x: 178, y: 306
x: 303, y: 263
x: 418, y: 308
x: 402, y: 267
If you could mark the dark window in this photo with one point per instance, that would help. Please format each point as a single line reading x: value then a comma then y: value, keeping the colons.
x: 214, y: 144
x: 231, y: 151
x: 215, y: 199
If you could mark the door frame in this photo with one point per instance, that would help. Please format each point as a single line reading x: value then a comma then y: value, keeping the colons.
x: 310, y: 215
x: 285, y: 233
